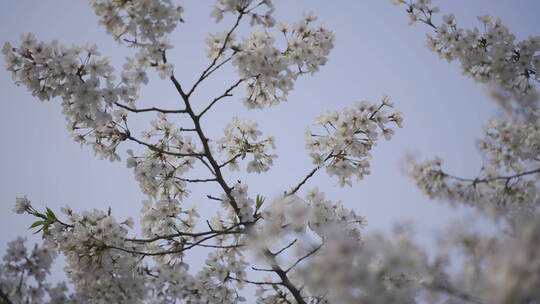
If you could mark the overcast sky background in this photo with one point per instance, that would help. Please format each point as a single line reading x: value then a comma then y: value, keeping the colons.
x: 376, y: 52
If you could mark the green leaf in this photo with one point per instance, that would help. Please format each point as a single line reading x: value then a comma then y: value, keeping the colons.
x: 259, y: 201
x: 50, y: 215
x: 37, y: 223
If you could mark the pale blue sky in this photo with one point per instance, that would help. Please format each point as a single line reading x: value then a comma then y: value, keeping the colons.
x: 375, y: 53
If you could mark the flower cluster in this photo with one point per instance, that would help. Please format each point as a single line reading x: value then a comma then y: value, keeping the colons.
x: 512, y: 145
x: 145, y: 21
x: 274, y: 71
x: 350, y: 136
x: 374, y: 269
x: 490, y: 56
x: 23, y: 274
x: 492, y: 193
x: 22, y: 204
x: 163, y: 218
x: 508, y: 180
x: 513, y: 272
x: 85, y: 84
x: 177, y: 284
x: 292, y: 215
x: 245, y: 204
x: 100, y: 272
x: 243, y: 6
x: 162, y: 166
x: 241, y: 139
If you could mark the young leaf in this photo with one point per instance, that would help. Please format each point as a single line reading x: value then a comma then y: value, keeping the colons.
x: 37, y: 223
x: 259, y: 201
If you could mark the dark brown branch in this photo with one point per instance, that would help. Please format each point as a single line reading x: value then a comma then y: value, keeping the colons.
x: 261, y: 269
x: 189, y: 180
x: 255, y: 282
x: 227, y: 93
x: 230, y: 160
x: 304, y: 257
x: 284, y: 278
x: 310, y: 174
x: 148, y: 109
x: 487, y: 180
x: 156, y: 149
x: 190, y: 234
x: 161, y: 252
x: 214, y: 198
x: 208, y: 71
x: 286, y: 247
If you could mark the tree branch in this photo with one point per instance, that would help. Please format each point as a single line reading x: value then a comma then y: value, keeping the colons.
x: 156, y: 149
x: 148, y: 109
x: 227, y: 93
x: 304, y: 257
x: 310, y: 174
x: 208, y: 71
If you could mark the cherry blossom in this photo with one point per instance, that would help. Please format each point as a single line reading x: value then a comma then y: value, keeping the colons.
x: 311, y: 249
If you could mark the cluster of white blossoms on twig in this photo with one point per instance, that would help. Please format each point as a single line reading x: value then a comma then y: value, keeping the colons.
x: 270, y: 72
x: 292, y: 214
x: 489, y: 55
x: 144, y: 21
x: 240, y: 140
x: 85, y: 84
x: 345, y: 138
x: 509, y: 179
x: 170, y: 154
x: 374, y: 269
x: 234, y: 6
x: 275, y: 70
x: 98, y: 273
x: 245, y: 205
x: 23, y: 274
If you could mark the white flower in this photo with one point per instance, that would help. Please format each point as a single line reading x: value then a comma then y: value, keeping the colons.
x: 22, y: 204
x: 165, y: 70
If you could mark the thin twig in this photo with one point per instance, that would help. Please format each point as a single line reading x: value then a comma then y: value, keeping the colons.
x: 304, y: 257
x: 148, y: 109
x: 226, y: 94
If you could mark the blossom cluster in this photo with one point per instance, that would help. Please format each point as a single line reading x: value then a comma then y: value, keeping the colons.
x: 85, y: 85
x: 350, y: 136
x: 489, y: 55
x: 23, y: 274
x: 375, y: 269
x: 100, y: 273
x: 210, y: 285
x: 513, y: 271
x: 243, y: 6
x: 508, y: 181
x: 271, y: 71
x: 240, y: 140
x: 293, y: 215
x: 145, y: 21
x: 159, y: 170
x: 163, y: 217
x: 244, y: 204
